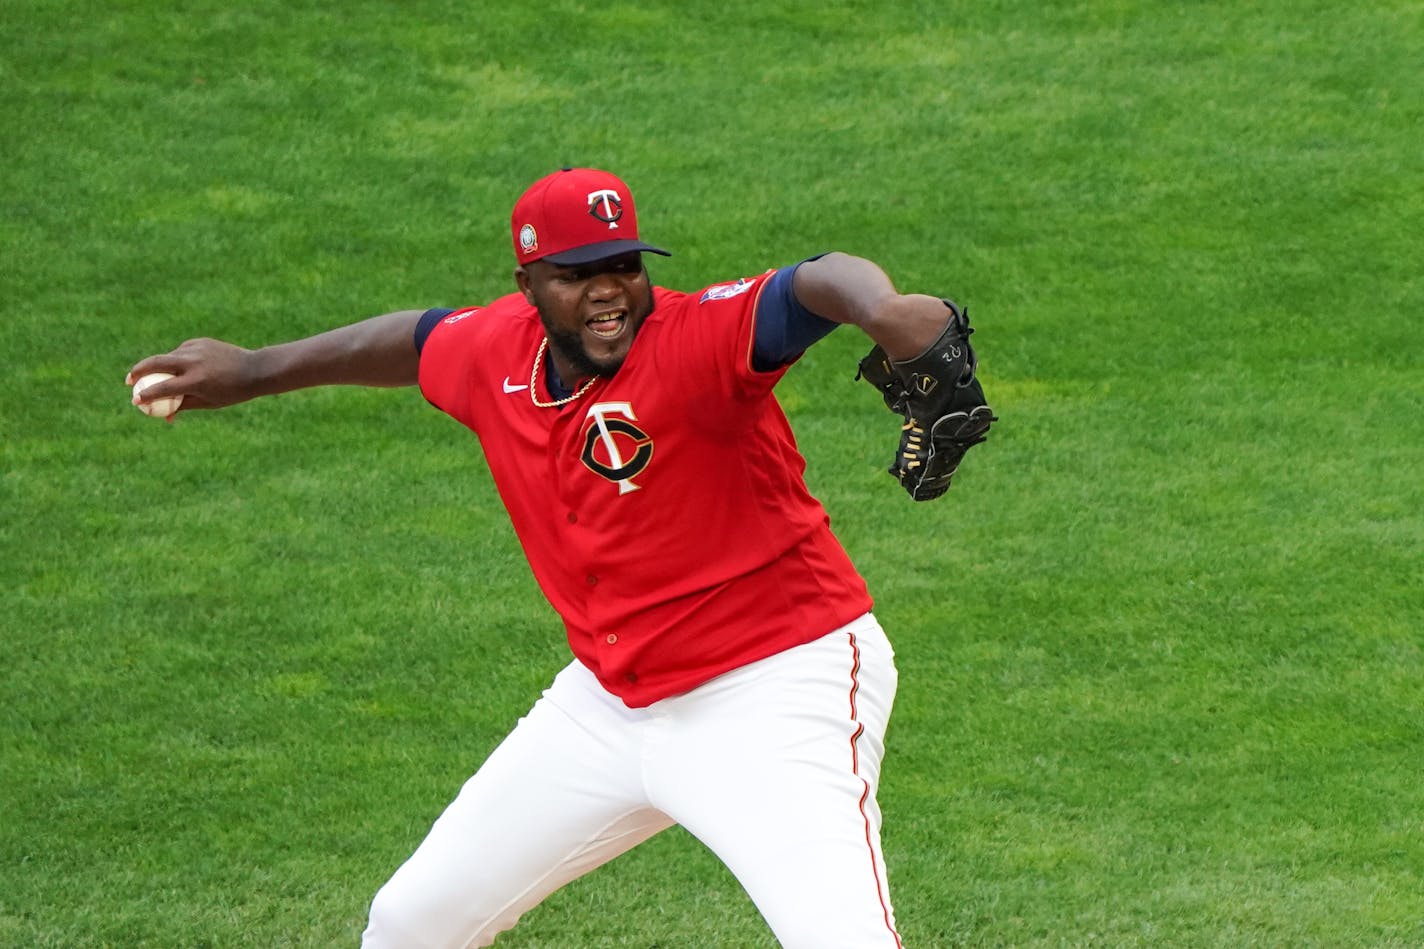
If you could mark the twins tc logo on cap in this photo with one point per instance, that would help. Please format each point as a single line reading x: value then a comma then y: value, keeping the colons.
x: 566, y: 218
x: 605, y: 205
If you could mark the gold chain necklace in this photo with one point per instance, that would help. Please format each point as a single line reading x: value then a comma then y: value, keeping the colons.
x: 534, y: 380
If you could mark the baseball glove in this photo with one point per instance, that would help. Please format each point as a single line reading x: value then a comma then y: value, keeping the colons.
x: 941, y: 401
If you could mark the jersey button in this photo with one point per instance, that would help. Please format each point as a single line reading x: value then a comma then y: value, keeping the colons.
x: 612, y: 638
x: 573, y: 518
x: 631, y: 677
x: 592, y: 580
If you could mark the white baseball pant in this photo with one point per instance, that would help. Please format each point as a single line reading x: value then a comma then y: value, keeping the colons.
x: 773, y: 766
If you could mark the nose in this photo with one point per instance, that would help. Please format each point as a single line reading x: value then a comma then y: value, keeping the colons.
x: 604, y: 287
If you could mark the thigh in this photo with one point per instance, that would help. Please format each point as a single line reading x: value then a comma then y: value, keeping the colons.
x: 776, y: 767
x: 560, y: 796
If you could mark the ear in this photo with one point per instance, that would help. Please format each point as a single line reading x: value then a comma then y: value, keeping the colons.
x: 521, y: 279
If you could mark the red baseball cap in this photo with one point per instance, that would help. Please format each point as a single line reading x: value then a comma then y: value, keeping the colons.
x: 576, y: 216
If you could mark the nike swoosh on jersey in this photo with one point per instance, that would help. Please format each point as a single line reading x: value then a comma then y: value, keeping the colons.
x: 510, y: 388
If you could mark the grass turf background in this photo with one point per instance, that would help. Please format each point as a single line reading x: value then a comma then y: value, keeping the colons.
x: 1160, y: 646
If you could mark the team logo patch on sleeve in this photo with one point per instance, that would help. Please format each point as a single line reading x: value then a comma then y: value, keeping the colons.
x: 725, y: 291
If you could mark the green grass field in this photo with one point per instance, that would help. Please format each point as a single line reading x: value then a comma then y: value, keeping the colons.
x: 1162, y: 681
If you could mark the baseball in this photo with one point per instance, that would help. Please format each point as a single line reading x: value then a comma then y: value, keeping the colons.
x: 158, y: 408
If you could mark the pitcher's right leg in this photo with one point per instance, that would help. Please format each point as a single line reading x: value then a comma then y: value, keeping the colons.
x: 560, y: 796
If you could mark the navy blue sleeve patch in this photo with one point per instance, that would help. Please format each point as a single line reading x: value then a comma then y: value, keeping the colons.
x: 784, y: 328
x: 428, y: 319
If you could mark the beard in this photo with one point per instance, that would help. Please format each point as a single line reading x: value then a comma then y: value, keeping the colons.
x: 570, y: 344
x: 571, y: 348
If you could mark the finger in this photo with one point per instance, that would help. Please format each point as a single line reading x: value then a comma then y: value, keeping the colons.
x: 159, y: 389
x: 163, y: 363
x: 175, y: 361
x: 157, y: 363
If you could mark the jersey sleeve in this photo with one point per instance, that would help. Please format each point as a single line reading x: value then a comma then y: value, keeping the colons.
x: 759, y: 328
x: 447, y: 341
x: 715, y: 333
x: 784, y: 328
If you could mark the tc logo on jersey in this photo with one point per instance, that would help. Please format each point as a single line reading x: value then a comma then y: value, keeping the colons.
x: 615, y: 448
x: 606, y: 206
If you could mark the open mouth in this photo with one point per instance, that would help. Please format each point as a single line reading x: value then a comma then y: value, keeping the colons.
x: 608, y: 325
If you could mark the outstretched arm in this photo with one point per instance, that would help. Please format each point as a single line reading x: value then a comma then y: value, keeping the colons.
x: 922, y: 365
x: 846, y: 289
x: 211, y: 374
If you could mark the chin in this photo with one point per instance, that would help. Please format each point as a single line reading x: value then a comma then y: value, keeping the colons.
x: 574, y: 352
x: 607, y: 366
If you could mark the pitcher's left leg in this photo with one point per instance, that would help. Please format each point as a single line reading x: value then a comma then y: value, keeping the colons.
x: 775, y: 768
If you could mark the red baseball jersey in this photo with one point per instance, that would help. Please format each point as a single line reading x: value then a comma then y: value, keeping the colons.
x: 664, y: 511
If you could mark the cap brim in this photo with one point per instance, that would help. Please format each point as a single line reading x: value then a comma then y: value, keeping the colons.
x: 589, y: 253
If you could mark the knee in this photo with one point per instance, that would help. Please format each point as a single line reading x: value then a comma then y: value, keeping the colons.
x: 393, y: 922
x: 430, y: 917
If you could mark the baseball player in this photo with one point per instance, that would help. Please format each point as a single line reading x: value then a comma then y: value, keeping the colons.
x: 727, y: 672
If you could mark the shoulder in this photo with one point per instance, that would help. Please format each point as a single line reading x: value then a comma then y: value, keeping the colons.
x: 726, y: 297
x: 492, y: 320
x: 475, y: 345
x: 473, y: 339
x: 704, y: 337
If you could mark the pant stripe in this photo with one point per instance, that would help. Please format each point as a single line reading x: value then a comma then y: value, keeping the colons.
x: 865, y: 794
